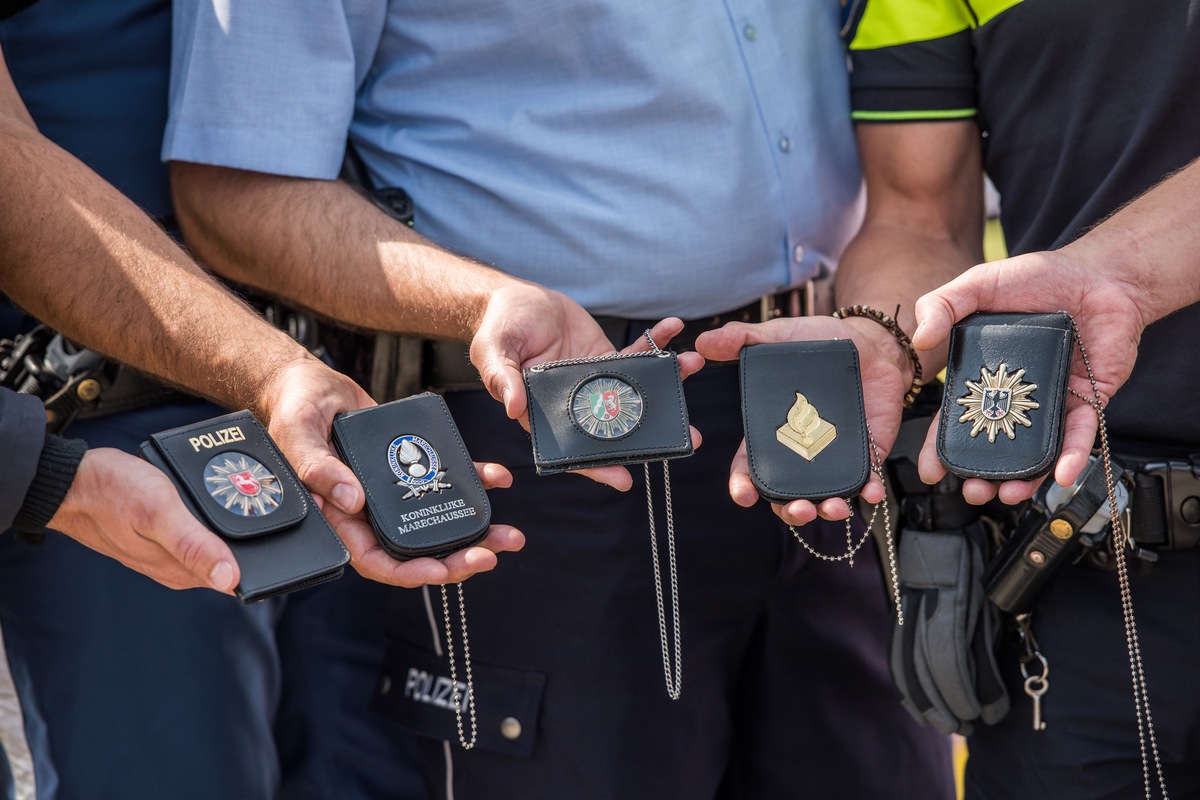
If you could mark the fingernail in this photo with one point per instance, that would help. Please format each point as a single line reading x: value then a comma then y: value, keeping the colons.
x: 345, y: 496
x: 505, y: 395
x: 221, y: 577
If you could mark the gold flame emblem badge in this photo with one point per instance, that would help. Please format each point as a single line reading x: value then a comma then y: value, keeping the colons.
x: 805, y: 432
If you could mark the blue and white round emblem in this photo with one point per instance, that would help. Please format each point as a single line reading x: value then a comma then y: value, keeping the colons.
x: 414, y: 460
x: 242, y: 485
x: 607, y: 407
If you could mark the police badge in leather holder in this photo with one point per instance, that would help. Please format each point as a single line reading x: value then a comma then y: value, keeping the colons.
x: 806, y: 431
x: 232, y: 477
x: 424, y: 497
x: 1006, y: 389
x: 623, y: 409
x: 626, y: 408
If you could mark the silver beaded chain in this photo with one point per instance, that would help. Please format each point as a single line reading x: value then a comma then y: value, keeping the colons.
x: 457, y: 698
x: 1141, y: 698
x: 853, y: 547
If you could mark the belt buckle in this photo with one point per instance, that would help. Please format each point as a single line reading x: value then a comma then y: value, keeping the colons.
x: 795, y: 302
x: 1181, y: 501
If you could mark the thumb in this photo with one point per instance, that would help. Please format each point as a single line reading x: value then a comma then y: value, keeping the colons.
x: 501, y: 377
x: 200, y: 551
x: 938, y: 310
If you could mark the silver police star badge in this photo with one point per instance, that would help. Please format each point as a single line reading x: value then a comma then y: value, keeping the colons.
x: 606, y: 407
x: 242, y: 485
x: 998, y: 402
x: 417, y: 465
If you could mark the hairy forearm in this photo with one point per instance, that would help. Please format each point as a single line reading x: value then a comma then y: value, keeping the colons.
x: 81, y: 257
x: 1152, y: 245
x: 324, y: 246
x: 924, y: 221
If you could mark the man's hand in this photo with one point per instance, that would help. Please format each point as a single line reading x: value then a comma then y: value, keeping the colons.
x: 886, y: 376
x: 525, y: 325
x: 124, y: 508
x: 370, y: 559
x: 300, y: 401
x: 1110, y: 320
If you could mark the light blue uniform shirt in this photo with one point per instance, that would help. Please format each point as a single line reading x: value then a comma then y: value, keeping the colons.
x: 646, y: 158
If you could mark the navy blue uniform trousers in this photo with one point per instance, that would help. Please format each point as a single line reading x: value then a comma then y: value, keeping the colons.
x: 1089, y: 749
x: 786, y: 691
x: 132, y: 691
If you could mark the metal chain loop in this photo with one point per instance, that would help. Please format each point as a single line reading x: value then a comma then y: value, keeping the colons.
x: 853, y: 547
x: 457, y: 698
x: 674, y: 679
x: 565, y: 362
x: 1141, y: 698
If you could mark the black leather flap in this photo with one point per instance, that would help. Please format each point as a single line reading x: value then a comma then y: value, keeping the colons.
x: 802, y: 409
x: 415, y: 690
x: 619, y: 410
x: 1006, y: 387
x: 231, y: 476
x: 234, y: 475
x: 424, y: 497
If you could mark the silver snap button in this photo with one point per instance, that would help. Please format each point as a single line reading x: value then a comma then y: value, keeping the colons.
x: 385, y: 685
x: 785, y: 144
x: 798, y: 253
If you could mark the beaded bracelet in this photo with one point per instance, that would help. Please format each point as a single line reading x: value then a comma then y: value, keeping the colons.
x: 901, y: 337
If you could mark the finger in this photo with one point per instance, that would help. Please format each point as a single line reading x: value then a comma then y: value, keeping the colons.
x: 938, y: 310
x: 690, y: 363
x: 662, y: 334
x: 726, y: 343
x: 977, y: 491
x: 201, y: 553
x: 616, y: 477
x: 327, y: 476
x: 1079, y: 436
x: 797, y: 512
x: 929, y: 466
x: 741, y: 487
x: 1013, y: 492
x: 874, y: 491
x: 833, y: 509
x: 493, y: 476
x: 482, y: 557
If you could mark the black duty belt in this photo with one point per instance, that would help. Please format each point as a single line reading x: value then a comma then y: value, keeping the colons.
x: 446, y: 366
x: 1165, y: 503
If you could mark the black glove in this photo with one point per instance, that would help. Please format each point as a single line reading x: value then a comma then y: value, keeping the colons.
x: 942, y: 658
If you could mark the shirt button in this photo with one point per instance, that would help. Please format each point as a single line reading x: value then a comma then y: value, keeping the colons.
x: 750, y: 33
x: 785, y: 144
x: 385, y: 685
x: 510, y: 728
x: 798, y: 253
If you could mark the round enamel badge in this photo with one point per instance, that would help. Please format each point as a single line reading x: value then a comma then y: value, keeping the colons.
x: 607, y: 407
x: 242, y: 485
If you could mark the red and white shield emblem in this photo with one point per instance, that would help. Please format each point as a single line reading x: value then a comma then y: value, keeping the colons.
x: 606, y: 406
x: 246, y: 483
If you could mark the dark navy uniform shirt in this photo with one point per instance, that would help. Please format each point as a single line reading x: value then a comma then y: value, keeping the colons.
x: 1132, y: 74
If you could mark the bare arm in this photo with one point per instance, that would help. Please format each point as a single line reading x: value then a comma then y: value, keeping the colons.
x: 69, y: 242
x: 322, y: 245
x: 1136, y: 267
x: 81, y: 257
x: 923, y: 226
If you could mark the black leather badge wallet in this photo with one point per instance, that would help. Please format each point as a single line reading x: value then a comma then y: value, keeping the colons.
x: 625, y: 409
x: 424, y: 497
x: 802, y: 408
x: 232, y: 477
x: 1006, y: 390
